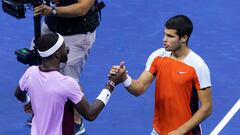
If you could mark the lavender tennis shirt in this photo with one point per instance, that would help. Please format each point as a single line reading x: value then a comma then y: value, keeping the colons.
x: 48, y: 92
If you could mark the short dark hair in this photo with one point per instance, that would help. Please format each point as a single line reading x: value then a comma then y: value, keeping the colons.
x: 181, y: 23
x: 47, y: 41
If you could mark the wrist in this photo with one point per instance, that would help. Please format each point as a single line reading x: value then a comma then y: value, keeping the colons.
x: 104, y: 96
x: 110, y: 85
x: 127, y: 82
x: 54, y: 11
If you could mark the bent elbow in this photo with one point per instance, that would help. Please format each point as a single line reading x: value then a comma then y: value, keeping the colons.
x: 208, y: 110
x: 137, y: 94
x: 83, y: 13
x: 91, y: 119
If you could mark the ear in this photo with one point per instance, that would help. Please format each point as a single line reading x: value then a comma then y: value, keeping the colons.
x: 58, y: 55
x: 184, y: 39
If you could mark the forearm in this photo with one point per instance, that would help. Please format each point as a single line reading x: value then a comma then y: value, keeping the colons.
x: 139, y: 86
x: 196, y: 119
x: 94, y: 109
x: 91, y: 111
x: 98, y: 104
x: 136, y: 88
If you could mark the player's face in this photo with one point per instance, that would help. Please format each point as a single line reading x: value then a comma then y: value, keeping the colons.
x: 64, y: 52
x: 171, y: 40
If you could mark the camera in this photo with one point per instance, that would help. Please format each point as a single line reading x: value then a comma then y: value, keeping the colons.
x: 16, y: 8
x: 26, y: 56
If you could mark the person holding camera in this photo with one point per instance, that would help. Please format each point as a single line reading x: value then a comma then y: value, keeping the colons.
x: 77, y: 21
x: 44, y: 90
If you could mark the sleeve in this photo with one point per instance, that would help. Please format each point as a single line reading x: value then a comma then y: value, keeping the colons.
x: 23, y: 82
x: 203, y: 75
x: 153, y: 59
x: 75, y: 93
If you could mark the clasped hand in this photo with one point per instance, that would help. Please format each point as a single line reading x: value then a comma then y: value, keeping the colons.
x: 118, y: 73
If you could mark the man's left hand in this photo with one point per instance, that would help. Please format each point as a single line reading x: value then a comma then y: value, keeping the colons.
x: 28, y: 108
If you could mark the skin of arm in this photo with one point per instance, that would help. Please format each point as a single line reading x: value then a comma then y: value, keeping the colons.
x: 78, y: 9
x: 91, y: 111
x: 139, y: 86
x: 20, y: 95
x: 203, y: 112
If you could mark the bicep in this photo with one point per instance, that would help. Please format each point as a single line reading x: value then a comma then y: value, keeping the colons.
x: 20, y: 94
x: 87, y: 4
x: 205, y: 96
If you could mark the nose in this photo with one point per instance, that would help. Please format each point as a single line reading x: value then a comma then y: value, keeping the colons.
x: 165, y: 38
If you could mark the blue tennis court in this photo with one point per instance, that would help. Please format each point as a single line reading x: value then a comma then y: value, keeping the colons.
x: 130, y: 31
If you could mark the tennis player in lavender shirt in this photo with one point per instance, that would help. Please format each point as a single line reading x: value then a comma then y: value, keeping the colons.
x: 44, y: 90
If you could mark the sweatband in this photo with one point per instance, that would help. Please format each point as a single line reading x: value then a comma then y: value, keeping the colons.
x: 127, y: 82
x: 53, y: 49
x: 27, y: 100
x: 104, y: 96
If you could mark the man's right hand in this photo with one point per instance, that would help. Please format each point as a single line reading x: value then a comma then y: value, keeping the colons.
x: 43, y: 10
x: 118, y: 74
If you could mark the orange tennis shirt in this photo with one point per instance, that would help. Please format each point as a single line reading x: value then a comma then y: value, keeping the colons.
x: 177, y: 83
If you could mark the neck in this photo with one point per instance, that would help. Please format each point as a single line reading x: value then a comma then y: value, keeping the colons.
x: 181, y: 53
x: 49, y: 66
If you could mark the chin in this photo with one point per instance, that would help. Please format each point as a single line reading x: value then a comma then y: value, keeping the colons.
x: 167, y: 49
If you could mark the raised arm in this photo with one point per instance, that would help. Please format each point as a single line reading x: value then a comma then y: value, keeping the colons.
x: 139, y: 86
x: 135, y: 87
x: 91, y: 111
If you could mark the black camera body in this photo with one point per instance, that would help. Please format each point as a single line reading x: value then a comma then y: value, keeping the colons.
x: 16, y: 8
x: 26, y: 56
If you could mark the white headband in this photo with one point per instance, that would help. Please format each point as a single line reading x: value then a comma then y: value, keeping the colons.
x: 53, y: 49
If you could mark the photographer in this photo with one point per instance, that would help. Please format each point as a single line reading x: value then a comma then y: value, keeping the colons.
x: 76, y: 20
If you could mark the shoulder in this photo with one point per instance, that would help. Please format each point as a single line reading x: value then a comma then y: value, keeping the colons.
x: 70, y: 82
x: 30, y: 70
x: 195, y: 61
x: 158, y: 53
x: 201, y: 69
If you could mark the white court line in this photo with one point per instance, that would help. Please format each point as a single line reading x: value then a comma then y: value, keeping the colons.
x: 226, y: 119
